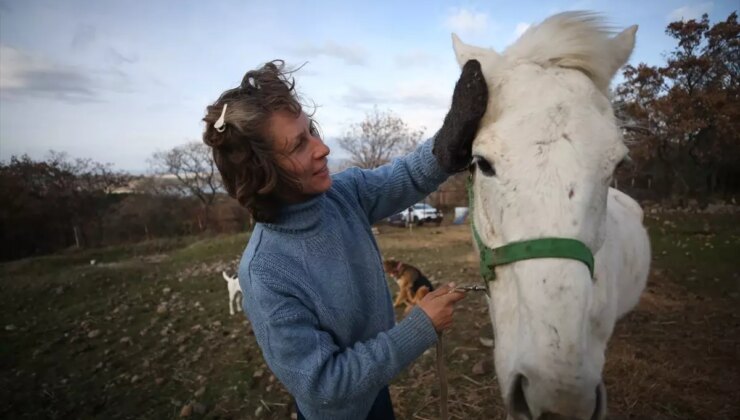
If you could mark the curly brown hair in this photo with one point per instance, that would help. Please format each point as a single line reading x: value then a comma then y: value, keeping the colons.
x: 244, y: 152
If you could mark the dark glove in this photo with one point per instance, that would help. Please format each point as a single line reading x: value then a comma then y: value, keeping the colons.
x: 454, y: 141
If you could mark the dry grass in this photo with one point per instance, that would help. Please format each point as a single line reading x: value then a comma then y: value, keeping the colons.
x: 674, y: 357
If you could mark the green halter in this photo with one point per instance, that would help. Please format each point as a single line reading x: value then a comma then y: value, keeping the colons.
x: 525, y: 250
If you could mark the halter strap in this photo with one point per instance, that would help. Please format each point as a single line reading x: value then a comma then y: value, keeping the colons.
x: 525, y: 250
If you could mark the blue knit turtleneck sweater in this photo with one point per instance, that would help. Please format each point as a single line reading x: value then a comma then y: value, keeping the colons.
x: 316, y: 295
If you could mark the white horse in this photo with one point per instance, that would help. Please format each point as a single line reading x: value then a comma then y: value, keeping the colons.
x: 544, y: 157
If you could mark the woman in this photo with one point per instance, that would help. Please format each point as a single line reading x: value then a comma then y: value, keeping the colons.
x: 312, y: 277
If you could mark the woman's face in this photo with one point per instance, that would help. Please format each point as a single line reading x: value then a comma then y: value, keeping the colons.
x: 300, y: 152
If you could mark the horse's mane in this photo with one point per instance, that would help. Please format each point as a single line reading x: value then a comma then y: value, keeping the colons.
x: 577, y: 40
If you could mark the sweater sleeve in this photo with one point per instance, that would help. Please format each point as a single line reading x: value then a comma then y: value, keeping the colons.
x: 308, y: 361
x: 395, y: 186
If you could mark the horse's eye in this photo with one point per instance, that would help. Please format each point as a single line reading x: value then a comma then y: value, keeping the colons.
x: 625, y: 163
x: 483, y: 165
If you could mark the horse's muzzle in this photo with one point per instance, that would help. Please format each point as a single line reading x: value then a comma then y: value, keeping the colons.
x: 530, y: 399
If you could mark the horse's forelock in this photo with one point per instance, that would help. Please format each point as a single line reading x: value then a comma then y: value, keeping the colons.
x: 577, y: 40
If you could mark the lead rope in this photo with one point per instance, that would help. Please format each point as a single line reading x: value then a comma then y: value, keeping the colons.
x: 442, y: 375
x: 441, y: 366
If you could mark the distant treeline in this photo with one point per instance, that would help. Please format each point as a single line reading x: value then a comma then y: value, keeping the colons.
x: 60, y: 203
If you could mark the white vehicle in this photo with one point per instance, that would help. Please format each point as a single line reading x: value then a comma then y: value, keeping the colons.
x: 421, y: 213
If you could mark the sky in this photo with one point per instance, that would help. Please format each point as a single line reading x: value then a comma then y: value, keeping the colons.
x: 117, y: 80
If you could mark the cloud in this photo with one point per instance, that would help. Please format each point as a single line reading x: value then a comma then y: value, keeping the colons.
x: 117, y: 58
x: 689, y: 12
x: 521, y: 27
x: 414, y: 58
x: 423, y: 94
x: 420, y: 94
x: 304, y: 69
x: 27, y: 75
x: 464, y: 21
x: 352, y: 55
x: 23, y: 73
x: 361, y: 96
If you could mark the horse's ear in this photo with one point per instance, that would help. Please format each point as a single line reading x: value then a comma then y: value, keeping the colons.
x: 622, y: 46
x: 465, y: 52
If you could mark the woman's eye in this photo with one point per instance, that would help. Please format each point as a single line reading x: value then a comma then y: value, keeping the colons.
x: 484, y: 166
x: 313, y: 130
x: 301, y: 143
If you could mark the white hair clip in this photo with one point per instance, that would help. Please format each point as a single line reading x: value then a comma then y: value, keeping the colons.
x: 220, y: 125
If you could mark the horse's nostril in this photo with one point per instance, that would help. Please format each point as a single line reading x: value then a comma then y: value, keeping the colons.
x: 600, y: 406
x: 550, y: 416
x: 518, y: 404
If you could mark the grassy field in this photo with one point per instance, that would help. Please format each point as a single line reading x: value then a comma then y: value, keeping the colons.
x: 145, y: 332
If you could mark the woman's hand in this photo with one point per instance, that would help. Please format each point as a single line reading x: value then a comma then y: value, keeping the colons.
x: 440, y: 304
x: 454, y: 141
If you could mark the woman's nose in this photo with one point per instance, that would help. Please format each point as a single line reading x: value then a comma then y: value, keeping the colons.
x: 321, y: 150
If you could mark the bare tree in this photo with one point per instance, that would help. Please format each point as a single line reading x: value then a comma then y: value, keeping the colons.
x: 378, y: 138
x: 192, y: 168
x: 88, y: 175
x: 87, y: 184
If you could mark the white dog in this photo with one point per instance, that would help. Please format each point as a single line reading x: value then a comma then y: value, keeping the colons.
x: 234, y: 291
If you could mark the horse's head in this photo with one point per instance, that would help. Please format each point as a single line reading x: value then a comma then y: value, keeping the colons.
x: 543, y: 160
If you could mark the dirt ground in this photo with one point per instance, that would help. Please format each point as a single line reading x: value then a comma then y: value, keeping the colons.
x: 144, y: 332
x: 675, y: 356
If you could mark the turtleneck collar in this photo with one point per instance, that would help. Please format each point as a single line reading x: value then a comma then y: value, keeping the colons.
x: 302, y: 217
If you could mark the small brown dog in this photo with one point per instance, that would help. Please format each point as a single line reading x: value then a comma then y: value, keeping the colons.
x: 412, y: 284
